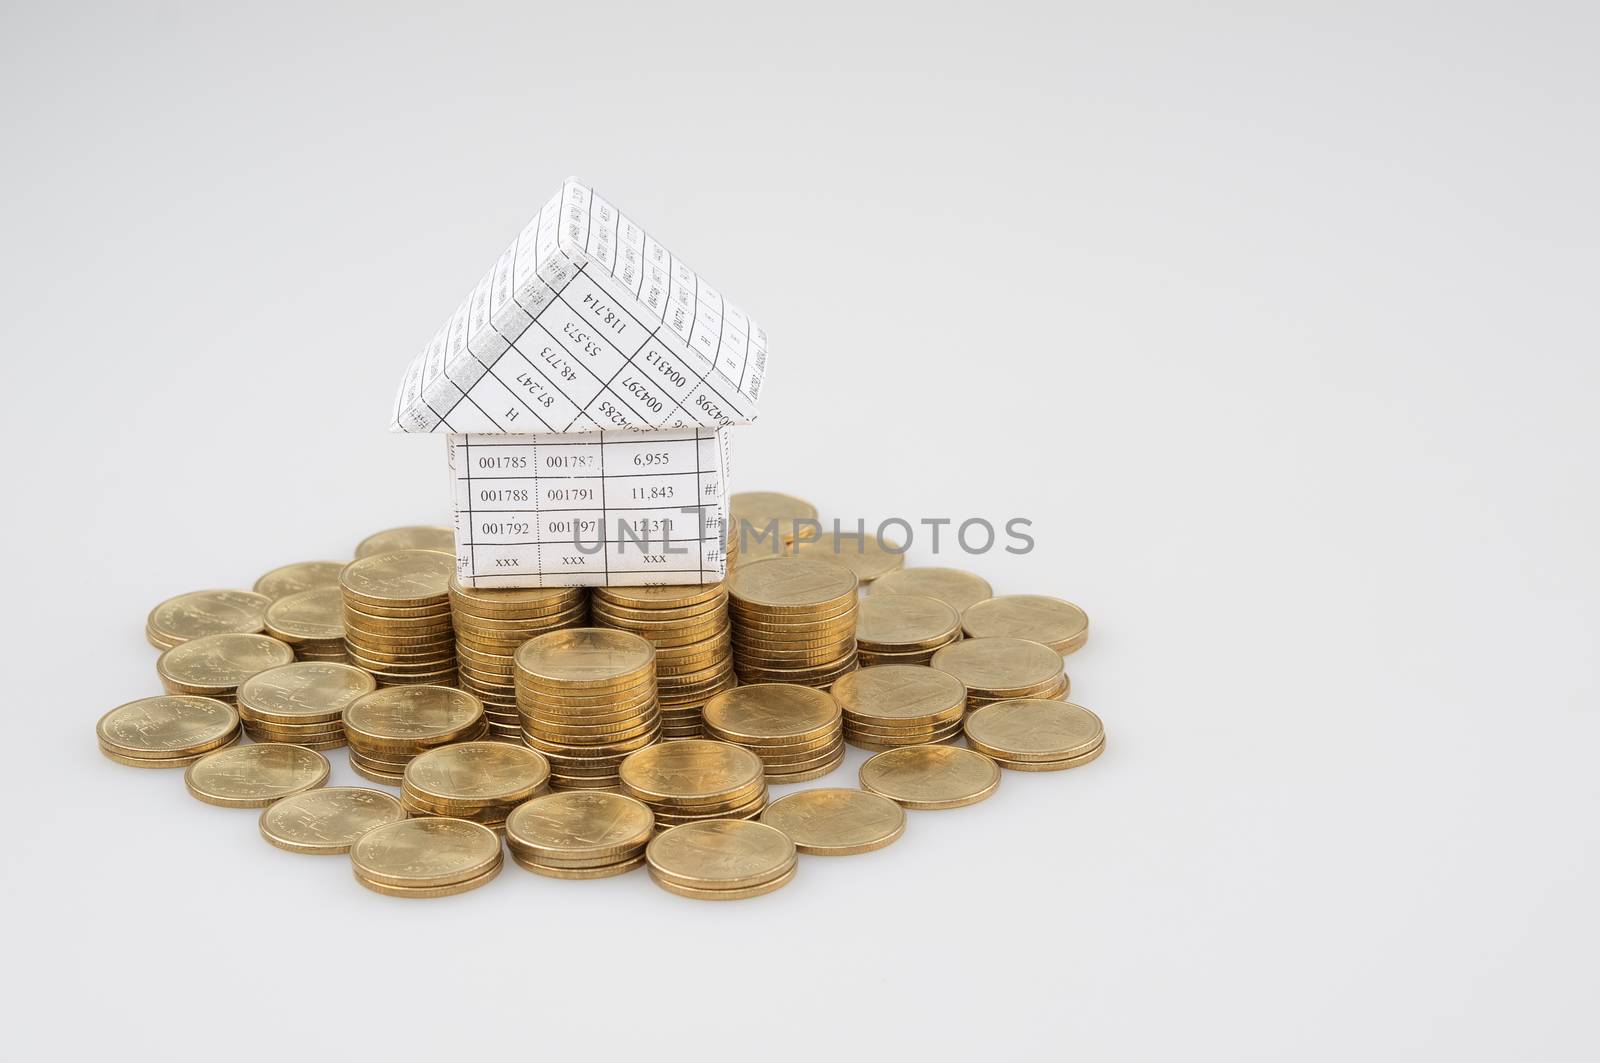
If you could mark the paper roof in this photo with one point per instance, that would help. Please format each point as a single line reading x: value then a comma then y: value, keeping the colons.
x: 586, y: 322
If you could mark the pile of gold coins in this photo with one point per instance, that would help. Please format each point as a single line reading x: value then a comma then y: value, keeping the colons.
x: 480, y: 781
x: 794, y: 620
x: 490, y: 623
x: 688, y: 625
x: 890, y: 705
x: 796, y: 731
x: 213, y: 666
x: 397, y: 616
x: 647, y: 739
x: 172, y: 731
x: 904, y: 628
x: 302, y: 703
x: 1002, y: 669
x: 389, y: 727
x: 587, y: 698
x: 696, y: 779
x: 580, y: 834
x: 311, y: 621
x: 200, y: 613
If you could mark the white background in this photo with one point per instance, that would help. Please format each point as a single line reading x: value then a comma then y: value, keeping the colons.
x: 1277, y: 322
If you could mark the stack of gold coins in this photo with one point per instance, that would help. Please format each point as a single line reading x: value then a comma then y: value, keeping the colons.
x: 1002, y: 669
x: 312, y: 622
x: 580, y: 834
x: 1034, y: 734
x: 428, y: 857
x: 795, y: 730
x: 480, y: 781
x: 490, y: 624
x: 865, y: 554
x: 721, y: 860
x: 303, y: 702
x: 698, y: 779
x: 694, y: 650
x: 397, y: 616
x: 199, y: 613
x: 891, y: 705
x: 1058, y: 624
x: 390, y: 726
x: 300, y: 576
x: 904, y: 628
x: 953, y: 586
x: 794, y: 621
x: 411, y: 537
x: 587, y: 699
x: 213, y: 666
x: 171, y: 731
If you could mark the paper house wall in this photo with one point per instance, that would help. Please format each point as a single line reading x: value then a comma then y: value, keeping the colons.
x: 586, y: 385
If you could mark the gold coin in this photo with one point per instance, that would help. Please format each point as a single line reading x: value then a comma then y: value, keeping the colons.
x: 316, y: 614
x: 219, y: 663
x: 600, y: 871
x: 304, y: 690
x: 754, y: 512
x: 580, y: 826
x: 300, y: 576
x: 904, y: 693
x: 477, y: 773
x: 327, y: 821
x: 419, y: 892
x: 931, y: 776
x: 1034, y: 729
x: 791, y: 586
x: 408, y: 717
x: 413, y: 537
x: 1058, y: 624
x: 904, y: 621
x: 586, y: 658
x: 697, y: 772
x: 952, y: 586
x: 383, y: 778
x: 399, y: 577
x: 836, y: 822
x: 256, y: 775
x: 766, y: 713
x: 868, y: 556
x: 201, y: 613
x: 720, y: 854
x: 995, y: 667
x: 167, y: 726
x: 427, y: 852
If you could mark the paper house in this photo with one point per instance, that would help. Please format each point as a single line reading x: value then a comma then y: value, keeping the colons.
x: 586, y: 386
